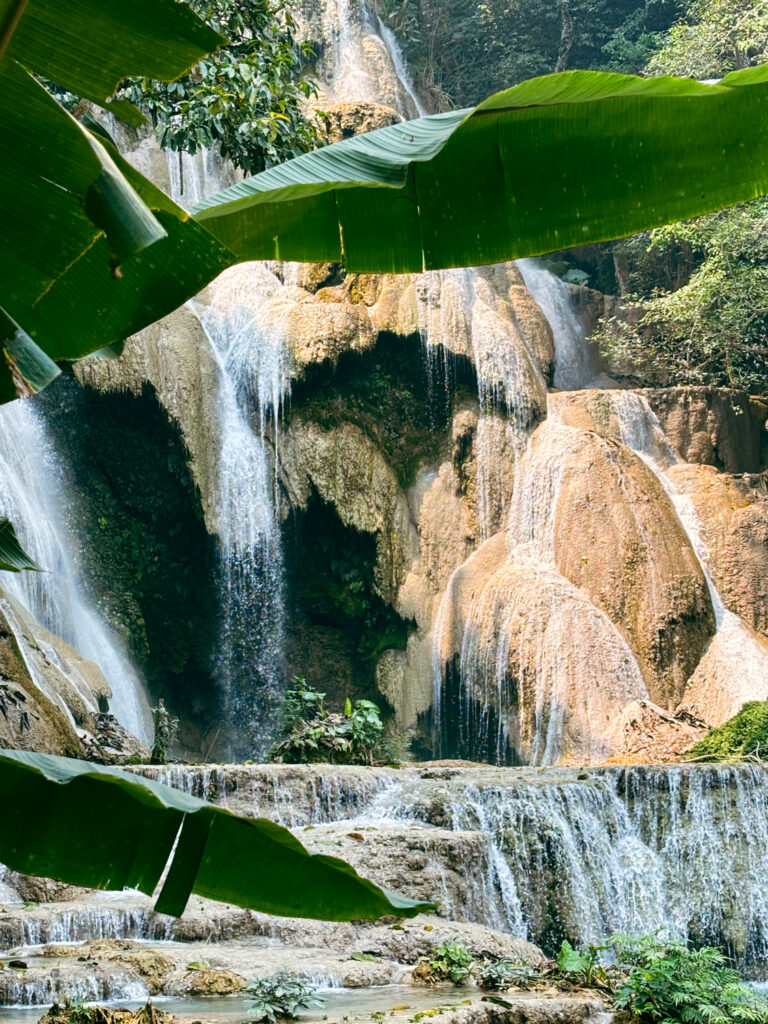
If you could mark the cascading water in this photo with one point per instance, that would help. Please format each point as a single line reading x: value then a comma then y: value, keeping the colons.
x: 575, y: 854
x: 574, y: 365
x: 252, y: 382
x: 33, y: 494
x: 737, y: 645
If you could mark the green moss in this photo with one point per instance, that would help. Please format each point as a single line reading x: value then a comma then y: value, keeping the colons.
x: 743, y: 735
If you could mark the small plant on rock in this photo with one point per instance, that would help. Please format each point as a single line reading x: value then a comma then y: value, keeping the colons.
x: 582, y: 965
x: 449, y: 961
x: 281, y: 997
x: 310, y: 733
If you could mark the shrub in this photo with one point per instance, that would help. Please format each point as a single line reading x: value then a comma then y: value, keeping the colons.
x: 448, y: 962
x: 667, y: 982
x: 281, y: 997
x: 741, y: 736
x: 309, y: 733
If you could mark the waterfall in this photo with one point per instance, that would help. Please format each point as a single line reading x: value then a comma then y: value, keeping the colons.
x: 737, y: 646
x: 34, y: 495
x: 576, y: 854
x: 398, y: 63
x: 574, y: 367
x: 252, y: 382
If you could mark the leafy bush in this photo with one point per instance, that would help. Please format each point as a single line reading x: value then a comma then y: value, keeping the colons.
x: 309, y: 733
x: 281, y: 997
x: 668, y: 982
x: 582, y: 965
x: 450, y: 961
x: 741, y: 736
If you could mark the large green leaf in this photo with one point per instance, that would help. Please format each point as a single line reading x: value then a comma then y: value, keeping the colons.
x: 106, y: 828
x: 13, y: 558
x: 557, y: 161
x: 89, y: 46
x: 71, y: 221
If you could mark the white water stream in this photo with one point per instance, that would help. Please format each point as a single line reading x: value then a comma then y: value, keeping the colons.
x: 33, y: 494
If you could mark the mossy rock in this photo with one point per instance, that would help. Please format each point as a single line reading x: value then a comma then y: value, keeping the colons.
x: 741, y: 736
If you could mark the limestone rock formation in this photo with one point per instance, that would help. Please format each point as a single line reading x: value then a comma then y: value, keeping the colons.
x: 715, y: 426
x: 733, y: 514
x: 173, y: 362
x: 31, y: 718
x: 343, y: 120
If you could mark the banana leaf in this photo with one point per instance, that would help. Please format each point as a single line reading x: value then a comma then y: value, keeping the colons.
x: 70, y: 217
x: 103, y: 827
x: 89, y: 46
x: 557, y: 161
x: 13, y: 558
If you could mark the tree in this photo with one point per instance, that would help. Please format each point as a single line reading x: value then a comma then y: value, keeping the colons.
x: 462, y: 50
x: 701, y: 287
x: 248, y: 97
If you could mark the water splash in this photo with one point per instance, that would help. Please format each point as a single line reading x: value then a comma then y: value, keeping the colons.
x: 33, y: 494
x: 571, y: 854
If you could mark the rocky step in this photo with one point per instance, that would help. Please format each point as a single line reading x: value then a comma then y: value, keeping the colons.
x: 200, y: 954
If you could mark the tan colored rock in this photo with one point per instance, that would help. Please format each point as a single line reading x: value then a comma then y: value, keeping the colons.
x: 532, y: 646
x: 733, y: 516
x: 319, y: 328
x: 535, y: 328
x: 595, y: 508
x: 715, y: 426
x: 347, y: 470
x: 209, y: 982
x: 650, y: 735
x: 29, y: 718
x: 343, y: 120
x: 733, y: 671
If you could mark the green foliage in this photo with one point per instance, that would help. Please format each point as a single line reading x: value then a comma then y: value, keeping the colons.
x: 462, y: 50
x: 714, y: 328
x: 311, y: 734
x: 714, y: 37
x: 247, y: 97
x: 450, y: 961
x: 122, y: 830
x: 281, y: 997
x: 13, y: 558
x: 667, y: 983
x: 79, y: 1012
x: 582, y: 965
x: 744, y: 735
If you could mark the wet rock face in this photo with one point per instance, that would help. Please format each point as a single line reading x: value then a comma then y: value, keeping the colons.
x: 29, y: 718
x: 617, y: 537
x: 733, y: 512
x: 343, y: 120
